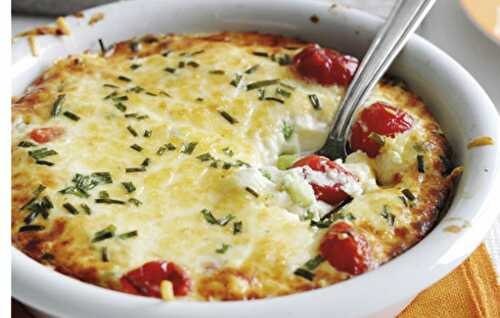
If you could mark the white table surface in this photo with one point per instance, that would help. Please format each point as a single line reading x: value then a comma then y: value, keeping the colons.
x: 448, y: 28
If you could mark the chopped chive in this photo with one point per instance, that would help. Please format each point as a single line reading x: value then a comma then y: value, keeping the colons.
x: 132, y: 131
x: 205, y: 157
x: 135, y: 169
x: 135, y: 89
x: 86, y: 209
x: 44, y: 163
x: 223, y: 249
x: 287, y: 130
x: 285, y: 85
x: 228, y: 117
x: 71, y: 116
x: 106, y: 233
x: 26, y: 144
x: 108, y: 201
x: 262, y: 93
x: 121, y: 107
x: 285, y: 59
x: 405, y: 201
x: 377, y: 138
x: 225, y: 220
x: 146, y: 162
x: 136, y: 116
x: 161, y: 150
x: 314, y: 100
x: 170, y: 147
x: 188, y: 148
x: 252, y: 192
x: 236, y: 80
x: 283, y: 93
x: 128, y: 235
x: 227, y: 165
x: 314, y: 262
x: 136, y: 147
x: 193, y: 64
x: 165, y: 94
x: 31, y: 217
x: 211, y: 219
x: 169, y: 69
x: 252, y: 69
x: 129, y: 186
x: 237, y: 226
x: 48, y: 257
x: 181, y: 64
x: 199, y: 99
x: 124, y: 78
x: 135, y: 66
x: 31, y: 228
x: 390, y: 218
x: 197, y: 52
x: 110, y: 86
x: 148, y: 133
x: 408, y: 194
x: 57, y: 106
x: 124, y: 97
x: 134, y: 201
x: 216, y: 72
x: 261, y: 84
x: 101, y: 45
x: 41, y: 153
x: 275, y: 99
x: 151, y: 94
x: 227, y: 151
x: 304, y: 273
x: 262, y: 54
x: 36, y: 194
x: 104, y: 254
x: 420, y: 164
x: 70, y: 208
x: 166, y: 53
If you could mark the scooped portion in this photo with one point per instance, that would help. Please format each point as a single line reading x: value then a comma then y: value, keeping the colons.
x: 182, y: 167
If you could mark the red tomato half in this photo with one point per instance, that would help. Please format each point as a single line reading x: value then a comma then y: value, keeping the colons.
x: 346, y: 250
x: 44, y: 135
x: 324, y: 66
x: 331, y: 194
x: 380, y: 119
x: 146, y: 279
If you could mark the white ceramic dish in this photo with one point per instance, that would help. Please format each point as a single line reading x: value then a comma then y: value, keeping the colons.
x: 454, y: 97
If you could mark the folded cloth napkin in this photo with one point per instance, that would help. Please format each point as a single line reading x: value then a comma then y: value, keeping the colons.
x: 471, y: 290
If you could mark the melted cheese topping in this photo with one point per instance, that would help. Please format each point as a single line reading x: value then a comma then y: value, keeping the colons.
x: 182, y: 97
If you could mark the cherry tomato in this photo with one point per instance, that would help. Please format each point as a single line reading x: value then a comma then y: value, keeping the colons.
x: 146, y: 279
x: 378, y: 119
x: 346, y: 250
x: 44, y: 135
x: 325, y: 66
x: 331, y: 194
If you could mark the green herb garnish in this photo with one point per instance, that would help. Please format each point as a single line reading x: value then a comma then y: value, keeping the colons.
x: 134, y: 201
x: 132, y: 131
x: 108, y: 201
x: 31, y: 228
x: 283, y: 93
x: 237, y: 227
x: 261, y: 54
x: 252, y: 69
x: 169, y: 69
x: 188, y: 148
x: 83, y: 183
x: 285, y: 85
x: 420, y: 164
x: 124, y: 78
x: 148, y: 133
x: 135, y: 169
x: 104, y: 234
x: 390, y: 218
x: 104, y: 254
x: 228, y: 117
x: 121, y: 107
x: 41, y: 153
x: 252, y: 192
x: 304, y: 273
x: 408, y: 194
x: 211, y: 219
x: 44, y: 163
x: 216, y: 72
x: 110, y: 86
x: 71, y: 116
x: 57, y: 107
x: 287, y: 130
x: 128, y: 235
x: 261, y: 84
x: 129, y: 186
x: 275, y: 99
x: 223, y: 249
x: 101, y: 45
x: 227, y: 151
x: 314, y: 100
x: 193, y: 64
x: 135, y: 66
x: 86, y: 209
x: 377, y: 138
x: 205, y: 157
x: 314, y: 262
x: 136, y: 147
x: 70, y: 208
x: 26, y: 144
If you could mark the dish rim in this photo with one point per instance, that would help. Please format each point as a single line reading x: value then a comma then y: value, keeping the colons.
x: 30, y: 278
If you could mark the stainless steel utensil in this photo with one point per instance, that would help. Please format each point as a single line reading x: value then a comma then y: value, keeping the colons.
x: 404, y: 19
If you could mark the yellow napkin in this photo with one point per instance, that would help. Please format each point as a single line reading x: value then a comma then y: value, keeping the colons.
x: 471, y: 290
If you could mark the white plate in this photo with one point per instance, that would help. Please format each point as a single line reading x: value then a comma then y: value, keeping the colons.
x: 453, y: 96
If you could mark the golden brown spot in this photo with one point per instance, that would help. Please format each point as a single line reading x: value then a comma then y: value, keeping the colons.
x: 480, y: 141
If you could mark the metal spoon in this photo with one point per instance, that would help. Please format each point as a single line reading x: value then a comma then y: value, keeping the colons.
x: 404, y: 19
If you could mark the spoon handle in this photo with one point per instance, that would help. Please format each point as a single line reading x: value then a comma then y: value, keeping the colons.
x: 404, y: 19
